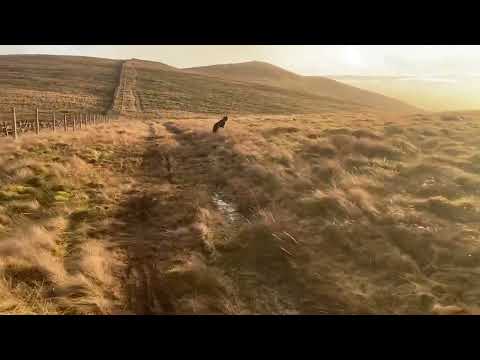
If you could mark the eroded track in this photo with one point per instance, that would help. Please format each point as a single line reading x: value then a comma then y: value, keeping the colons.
x: 158, y: 219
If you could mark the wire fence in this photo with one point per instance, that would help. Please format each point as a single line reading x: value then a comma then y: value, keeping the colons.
x: 37, y: 120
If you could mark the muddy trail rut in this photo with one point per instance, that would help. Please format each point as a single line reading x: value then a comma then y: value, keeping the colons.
x: 156, y: 220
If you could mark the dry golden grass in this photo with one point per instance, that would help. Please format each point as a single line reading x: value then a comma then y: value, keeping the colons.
x: 56, y: 82
x: 56, y: 191
x: 382, y: 224
x: 163, y: 89
x: 262, y: 73
x: 333, y: 213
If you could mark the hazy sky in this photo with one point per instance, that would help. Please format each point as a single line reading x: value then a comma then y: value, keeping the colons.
x: 462, y: 60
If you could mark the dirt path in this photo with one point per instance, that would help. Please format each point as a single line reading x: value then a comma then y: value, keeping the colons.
x: 172, y: 227
x: 157, y: 218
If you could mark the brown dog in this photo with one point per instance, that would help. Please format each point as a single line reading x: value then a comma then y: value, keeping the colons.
x: 220, y: 124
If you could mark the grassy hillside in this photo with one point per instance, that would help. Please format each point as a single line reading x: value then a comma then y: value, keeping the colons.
x: 88, y: 84
x: 267, y: 74
x: 60, y: 82
x: 161, y: 88
x: 333, y: 213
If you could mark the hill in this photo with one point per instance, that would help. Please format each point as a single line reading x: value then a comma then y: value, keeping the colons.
x: 75, y: 83
x: 267, y: 74
x: 165, y: 88
x: 60, y: 82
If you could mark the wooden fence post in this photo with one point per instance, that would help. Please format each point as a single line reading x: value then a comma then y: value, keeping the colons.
x: 14, y: 124
x: 54, y: 123
x: 80, y: 121
x: 94, y: 119
x: 65, y: 122
x: 73, y: 125
x: 37, y: 122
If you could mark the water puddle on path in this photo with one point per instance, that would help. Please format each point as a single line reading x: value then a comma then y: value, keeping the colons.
x: 227, y: 209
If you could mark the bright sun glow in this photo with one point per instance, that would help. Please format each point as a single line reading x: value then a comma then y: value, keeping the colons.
x: 351, y: 56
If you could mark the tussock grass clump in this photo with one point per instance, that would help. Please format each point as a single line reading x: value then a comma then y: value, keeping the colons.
x: 474, y: 163
x: 327, y: 170
x: 372, y: 148
x: 266, y: 179
x: 191, y: 286
x: 365, y: 133
x: 345, y: 131
x: 343, y: 142
x: 364, y: 143
x: 320, y: 149
x: 469, y: 182
x: 454, y: 151
x: 405, y: 146
x: 280, y: 131
x: 393, y: 130
x: 355, y: 162
x: 258, y: 258
x: 412, y: 242
x: 463, y: 210
x: 439, y: 177
x: 351, y: 203
x: 32, y: 263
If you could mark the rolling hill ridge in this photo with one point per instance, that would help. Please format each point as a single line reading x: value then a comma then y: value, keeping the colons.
x: 74, y: 83
x: 268, y: 74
